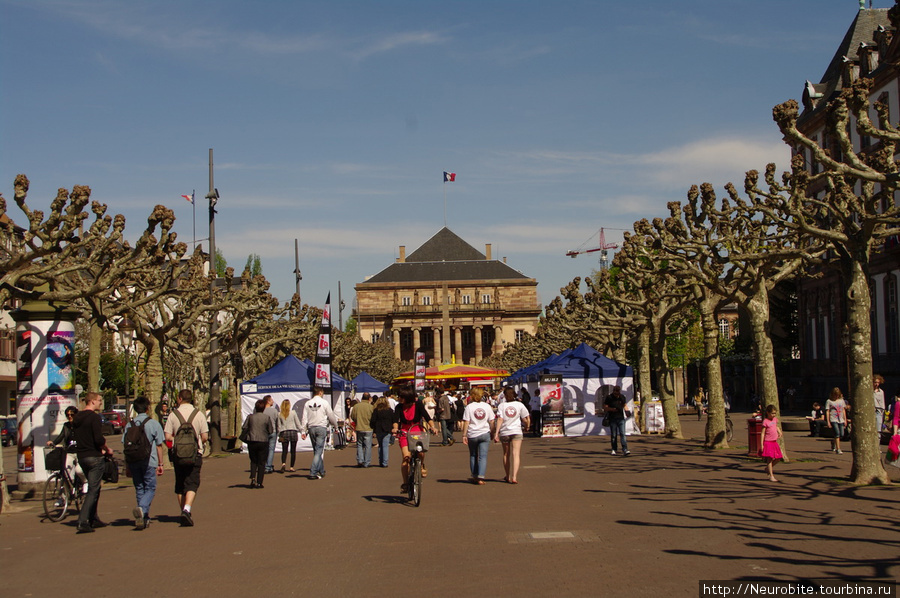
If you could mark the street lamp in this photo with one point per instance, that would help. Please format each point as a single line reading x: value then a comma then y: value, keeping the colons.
x: 126, y: 334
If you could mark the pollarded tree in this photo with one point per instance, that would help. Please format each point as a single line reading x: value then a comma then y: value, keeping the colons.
x: 850, y: 206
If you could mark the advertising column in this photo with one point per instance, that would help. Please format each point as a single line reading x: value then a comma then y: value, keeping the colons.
x: 45, y: 377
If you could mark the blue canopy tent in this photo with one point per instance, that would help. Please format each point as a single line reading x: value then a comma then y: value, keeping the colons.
x: 588, y: 377
x: 366, y: 383
x: 290, y: 379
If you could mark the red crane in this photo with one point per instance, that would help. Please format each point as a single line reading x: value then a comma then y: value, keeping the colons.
x: 602, y: 248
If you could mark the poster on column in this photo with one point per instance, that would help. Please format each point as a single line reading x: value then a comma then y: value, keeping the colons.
x: 420, y: 371
x: 552, y: 406
x: 46, y: 383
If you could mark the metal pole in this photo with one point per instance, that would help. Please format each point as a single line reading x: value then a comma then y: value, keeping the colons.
x: 297, y: 276
x: 340, y: 309
x: 214, y: 382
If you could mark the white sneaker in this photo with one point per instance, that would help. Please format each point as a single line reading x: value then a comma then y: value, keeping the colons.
x: 840, y: 452
x: 612, y: 452
x: 627, y: 453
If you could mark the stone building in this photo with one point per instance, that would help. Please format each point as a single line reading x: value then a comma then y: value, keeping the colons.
x: 869, y: 49
x: 448, y: 298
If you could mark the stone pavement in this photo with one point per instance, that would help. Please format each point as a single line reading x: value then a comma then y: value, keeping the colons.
x: 580, y: 523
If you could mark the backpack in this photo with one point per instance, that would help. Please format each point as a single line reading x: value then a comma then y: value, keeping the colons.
x: 135, y: 445
x: 184, y: 449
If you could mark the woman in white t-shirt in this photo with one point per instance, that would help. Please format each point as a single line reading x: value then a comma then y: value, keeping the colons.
x: 477, y: 429
x: 512, y: 420
x: 836, y: 417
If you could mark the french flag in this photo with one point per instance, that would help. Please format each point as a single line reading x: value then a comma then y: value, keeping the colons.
x: 449, y: 177
x: 190, y: 198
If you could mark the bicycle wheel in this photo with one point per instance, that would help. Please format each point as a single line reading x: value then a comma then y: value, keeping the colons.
x: 729, y: 430
x: 56, y: 497
x: 415, y: 488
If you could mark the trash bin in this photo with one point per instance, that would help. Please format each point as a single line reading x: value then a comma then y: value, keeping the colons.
x: 754, y: 434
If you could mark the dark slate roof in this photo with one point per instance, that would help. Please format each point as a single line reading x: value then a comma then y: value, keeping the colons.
x: 864, y: 25
x: 445, y: 256
x: 445, y: 246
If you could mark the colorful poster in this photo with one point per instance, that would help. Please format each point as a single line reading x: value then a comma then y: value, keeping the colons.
x: 60, y: 359
x: 552, y: 406
x: 420, y: 371
x: 323, y: 353
x: 23, y: 359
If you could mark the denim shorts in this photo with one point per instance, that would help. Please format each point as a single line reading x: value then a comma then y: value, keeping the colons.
x: 838, y: 428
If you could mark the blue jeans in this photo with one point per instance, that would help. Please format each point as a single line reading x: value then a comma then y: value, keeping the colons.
x: 446, y: 431
x: 384, y: 448
x: 271, y: 459
x: 478, y: 452
x: 363, y: 448
x: 616, y: 429
x: 317, y: 438
x: 93, y: 468
x: 144, y: 478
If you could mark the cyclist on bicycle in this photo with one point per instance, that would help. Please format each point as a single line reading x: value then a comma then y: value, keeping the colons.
x: 66, y: 439
x: 410, y: 416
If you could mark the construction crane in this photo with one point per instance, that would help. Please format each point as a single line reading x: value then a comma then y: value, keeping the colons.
x: 603, y: 248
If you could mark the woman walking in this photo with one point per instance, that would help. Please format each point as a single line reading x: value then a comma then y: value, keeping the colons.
x: 288, y: 428
x: 836, y: 415
x: 258, y: 427
x: 512, y: 421
x: 478, y: 426
x: 382, y: 422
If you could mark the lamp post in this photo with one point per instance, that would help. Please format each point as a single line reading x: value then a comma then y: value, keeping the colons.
x: 126, y: 335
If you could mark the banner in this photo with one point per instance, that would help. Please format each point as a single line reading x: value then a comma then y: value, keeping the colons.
x: 552, y: 406
x: 323, y: 353
x: 420, y: 371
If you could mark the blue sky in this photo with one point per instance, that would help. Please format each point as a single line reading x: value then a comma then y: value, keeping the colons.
x: 332, y: 122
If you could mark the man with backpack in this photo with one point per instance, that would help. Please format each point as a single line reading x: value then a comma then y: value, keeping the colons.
x: 186, y: 432
x: 142, y: 443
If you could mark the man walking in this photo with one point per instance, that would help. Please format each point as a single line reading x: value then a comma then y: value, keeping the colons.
x: 446, y: 419
x: 317, y: 414
x: 186, y: 425
x: 615, y: 409
x: 91, y: 449
x: 272, y: 413
x: 143, y: 461
x: 361, y: 416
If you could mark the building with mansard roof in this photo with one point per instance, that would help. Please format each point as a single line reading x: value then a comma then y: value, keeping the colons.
x: 453, y: 301
x: 869, y: 49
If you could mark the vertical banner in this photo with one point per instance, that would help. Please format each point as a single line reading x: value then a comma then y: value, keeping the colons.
x: 420, y: 371
x: 323, y: 353
x: 552, y: 406
x: 45, y: 359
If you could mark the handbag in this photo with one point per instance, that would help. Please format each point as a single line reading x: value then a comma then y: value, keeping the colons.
x: 245, y: 435
x: 110, y: 470
x: 605, y: 422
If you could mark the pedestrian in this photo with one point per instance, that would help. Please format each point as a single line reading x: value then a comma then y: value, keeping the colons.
x: 186, y: 424
x: 144, y: 470
x: 878, y: 396
x: 91, y: 450
x: 534, y: 405
x: 361, y: 416
x: 66, y: 439
x: 382, y: 422
x: 478, y: 427
x: 317, y: 414
x: 770, y: 451
x: 287, y: 427
x: 512, y: 421
x: 272, y: 413
x: 445, y: 415
x: 816, y: 420
x: 614, y: 405
x: 836, y: 418
x: 257, y: 428
x: 410, y: 416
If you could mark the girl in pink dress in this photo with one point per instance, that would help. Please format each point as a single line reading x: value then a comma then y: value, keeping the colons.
x: 770, y: 451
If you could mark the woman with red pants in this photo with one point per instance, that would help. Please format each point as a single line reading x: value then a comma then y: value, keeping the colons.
x: 409, y: 416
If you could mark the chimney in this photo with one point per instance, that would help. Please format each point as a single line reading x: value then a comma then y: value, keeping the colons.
x: 487, y: 251
x: 402, y: 257
x: 504, y: 259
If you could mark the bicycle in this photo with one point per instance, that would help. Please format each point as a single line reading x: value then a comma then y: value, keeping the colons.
x: 418, y: 443
x: 60, y: 490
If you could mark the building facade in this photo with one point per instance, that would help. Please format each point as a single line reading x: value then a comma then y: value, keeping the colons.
x: 448, y: 298
x: 870, y: 49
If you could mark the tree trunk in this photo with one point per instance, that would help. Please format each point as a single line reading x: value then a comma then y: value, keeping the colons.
x: 154, y: 377
x: 715, y: 420
x: 757, y: 306
x: 95, y: 341
x: 867, y: 467
x: 644, y: 379
x: 664, y: 382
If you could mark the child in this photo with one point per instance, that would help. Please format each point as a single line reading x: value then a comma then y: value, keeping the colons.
x: 770, y: 450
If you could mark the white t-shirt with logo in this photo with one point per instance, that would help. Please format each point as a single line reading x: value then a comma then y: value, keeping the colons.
x: 511, y: 415
x: 479, y: 415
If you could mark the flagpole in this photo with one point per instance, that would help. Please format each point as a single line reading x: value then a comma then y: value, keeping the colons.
x: 194, y: 208
x: 445, y: 204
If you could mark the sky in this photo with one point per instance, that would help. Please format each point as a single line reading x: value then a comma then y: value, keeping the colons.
x: 332, y: 122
